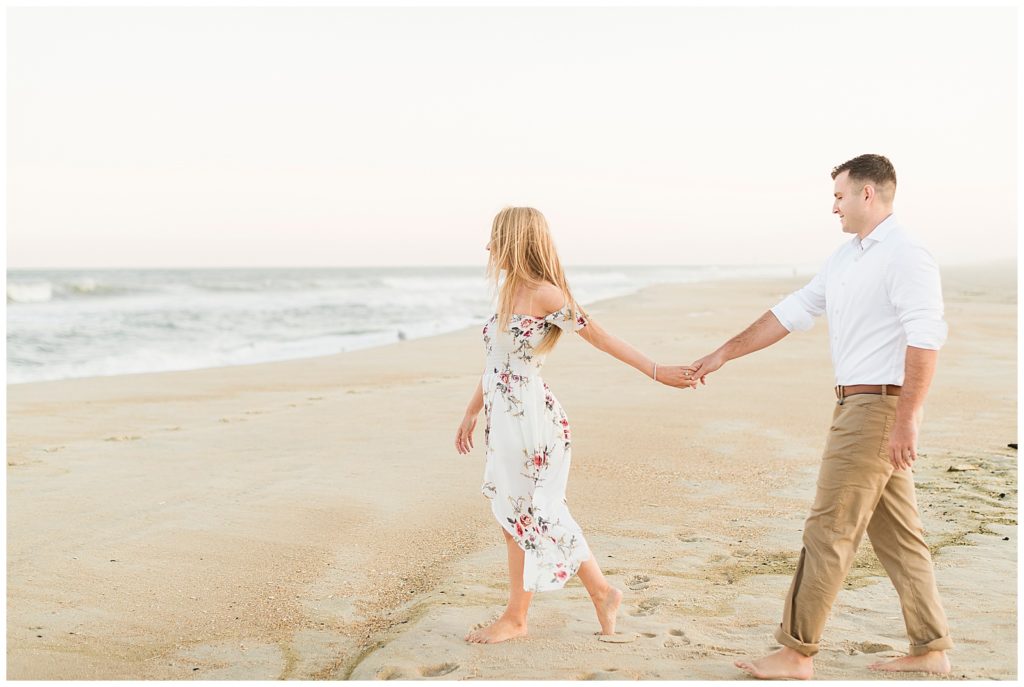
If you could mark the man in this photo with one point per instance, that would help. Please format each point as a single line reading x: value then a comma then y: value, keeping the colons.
x: 883, y: 299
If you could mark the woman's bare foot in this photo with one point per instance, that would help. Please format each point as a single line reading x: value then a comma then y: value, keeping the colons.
x: 607, y: 606
x: 784, y: 664
x: 935, y: 662
x: 502, y: 629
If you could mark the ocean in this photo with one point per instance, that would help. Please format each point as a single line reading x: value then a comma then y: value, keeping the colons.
x: 64, y: 324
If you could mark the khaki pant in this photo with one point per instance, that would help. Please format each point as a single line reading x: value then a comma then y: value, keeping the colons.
x: 858, y: 491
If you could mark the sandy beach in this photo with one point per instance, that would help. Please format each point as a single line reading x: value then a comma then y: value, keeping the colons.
x: 311, y: 519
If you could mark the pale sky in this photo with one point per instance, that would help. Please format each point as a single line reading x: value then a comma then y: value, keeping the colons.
x: 203, y: 137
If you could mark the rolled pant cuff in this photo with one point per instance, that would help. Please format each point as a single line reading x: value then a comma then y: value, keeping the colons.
x: 940, y: 644
x: 783, y: 638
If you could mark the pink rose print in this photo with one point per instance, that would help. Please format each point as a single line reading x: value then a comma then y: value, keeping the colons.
x: 525, y: 519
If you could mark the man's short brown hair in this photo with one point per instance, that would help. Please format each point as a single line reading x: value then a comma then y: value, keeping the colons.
x: 870, y: 168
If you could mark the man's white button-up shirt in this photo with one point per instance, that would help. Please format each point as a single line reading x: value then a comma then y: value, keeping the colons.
x: 881, y: 295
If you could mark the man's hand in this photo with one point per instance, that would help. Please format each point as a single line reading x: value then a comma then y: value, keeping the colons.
x: 708, y: 364
x: 903, y: 444
x: 678, y: 376
x: 920, y: 367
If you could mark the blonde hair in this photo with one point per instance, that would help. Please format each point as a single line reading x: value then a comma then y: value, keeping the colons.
x: 521, y: 245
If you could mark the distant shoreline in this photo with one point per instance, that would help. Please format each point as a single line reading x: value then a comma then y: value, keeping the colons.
x: 94, y: 323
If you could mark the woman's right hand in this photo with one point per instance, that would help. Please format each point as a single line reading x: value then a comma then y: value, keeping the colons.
x: 678, y: 376
x: 464, y: 435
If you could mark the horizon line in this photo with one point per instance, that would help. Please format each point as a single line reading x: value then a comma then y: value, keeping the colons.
x: 989, y: 261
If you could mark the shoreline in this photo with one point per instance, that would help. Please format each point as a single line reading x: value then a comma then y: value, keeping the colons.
x: 337, y: 330
x: 980, y: 268
x: 317, y: 523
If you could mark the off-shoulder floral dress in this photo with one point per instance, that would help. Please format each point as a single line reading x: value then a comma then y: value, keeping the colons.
x: 527, y: 443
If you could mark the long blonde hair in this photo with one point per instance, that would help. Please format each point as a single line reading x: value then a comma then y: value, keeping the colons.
x: 521, y: 245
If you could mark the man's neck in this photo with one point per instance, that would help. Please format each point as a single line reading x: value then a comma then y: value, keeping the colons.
x: 874, y: 224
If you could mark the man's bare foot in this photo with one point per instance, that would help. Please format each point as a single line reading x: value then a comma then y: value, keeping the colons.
x: 502, y: 629
x: 933, y: 662
x: 607, y: 606
x: 784, y: 664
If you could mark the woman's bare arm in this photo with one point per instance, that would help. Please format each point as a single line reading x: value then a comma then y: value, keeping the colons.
x: 603, y: 340
x: 464, y: 434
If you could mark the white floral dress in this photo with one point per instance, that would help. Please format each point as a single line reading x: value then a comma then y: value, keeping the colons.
x: 526, y: 443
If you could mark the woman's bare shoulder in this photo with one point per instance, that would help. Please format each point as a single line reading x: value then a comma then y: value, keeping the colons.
x: 549, y: 297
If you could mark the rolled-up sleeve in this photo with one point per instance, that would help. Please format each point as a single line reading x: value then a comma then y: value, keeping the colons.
x: 796, y: 312
x: 915, y: 290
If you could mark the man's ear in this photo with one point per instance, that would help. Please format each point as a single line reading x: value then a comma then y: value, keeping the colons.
x: 868, y: 193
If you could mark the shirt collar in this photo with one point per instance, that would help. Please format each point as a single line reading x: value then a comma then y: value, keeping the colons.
x: 879, y: 233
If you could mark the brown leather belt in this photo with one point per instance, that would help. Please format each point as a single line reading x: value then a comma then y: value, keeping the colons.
x: 884, y: 389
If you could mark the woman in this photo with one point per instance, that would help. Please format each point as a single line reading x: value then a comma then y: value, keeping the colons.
x: 527, y: 435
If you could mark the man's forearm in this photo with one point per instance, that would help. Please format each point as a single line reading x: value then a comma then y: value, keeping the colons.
x: 765, y: 331
x: 919, y: 370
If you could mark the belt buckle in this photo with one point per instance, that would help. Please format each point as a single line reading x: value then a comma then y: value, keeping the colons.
x: 840, y: 393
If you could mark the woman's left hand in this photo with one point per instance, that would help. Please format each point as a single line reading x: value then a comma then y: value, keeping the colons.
x: 464, y: 435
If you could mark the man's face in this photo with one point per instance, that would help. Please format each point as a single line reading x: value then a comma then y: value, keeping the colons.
x: 849, y: 203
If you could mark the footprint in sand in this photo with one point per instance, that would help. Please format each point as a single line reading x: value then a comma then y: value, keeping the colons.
x: 389, y: 673
x: 314, y: 398
x: 123, y: 437
x: 648, y: 635
x: 53, y: 449
x: 617, y: 638
x: 872, y: 647
x: 638, y: 582
x: 647, y: 607
x: 676, y: 638
x: 438, y: 670
x: 253, y: 412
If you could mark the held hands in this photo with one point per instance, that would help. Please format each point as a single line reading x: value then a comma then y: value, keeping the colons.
x: 464, y: 435
x: 706, y: 365
x: 678, y: 376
